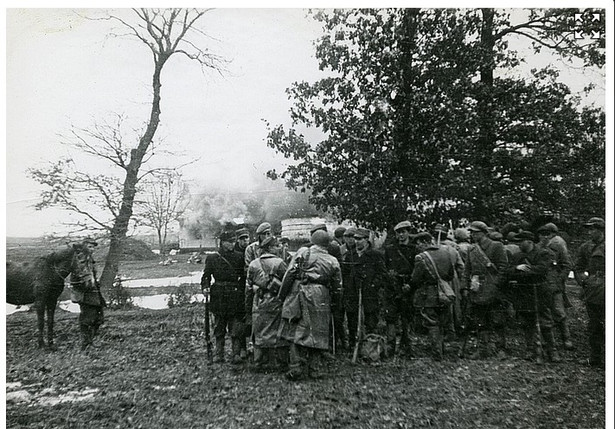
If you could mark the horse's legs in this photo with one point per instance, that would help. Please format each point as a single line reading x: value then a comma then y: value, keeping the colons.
x: 51, y: 309
x: 40, y: 315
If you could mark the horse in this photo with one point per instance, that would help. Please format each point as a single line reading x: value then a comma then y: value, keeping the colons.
x: 42, y: 281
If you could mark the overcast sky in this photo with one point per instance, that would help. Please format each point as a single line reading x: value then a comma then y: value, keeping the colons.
x: 61, y: 70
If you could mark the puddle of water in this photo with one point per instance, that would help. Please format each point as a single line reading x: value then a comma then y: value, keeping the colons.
x: 193, y: 278
x: 152, y: 302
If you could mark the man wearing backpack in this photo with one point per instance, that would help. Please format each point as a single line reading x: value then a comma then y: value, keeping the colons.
x: 263, y: 282
x: 432, y: 263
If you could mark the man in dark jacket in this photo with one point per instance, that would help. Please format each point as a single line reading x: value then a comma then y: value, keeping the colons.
x: 227, y: 295
x: 399, y: 260
x: 86, y: 292
x: 365, y: 274
x: 590, y: 275
x: 549, y: 238
x: 484, y: 268
x: 532, y: 294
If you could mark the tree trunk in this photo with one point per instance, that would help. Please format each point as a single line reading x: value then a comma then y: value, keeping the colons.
x: 120, y: 227
x: 486, y: 118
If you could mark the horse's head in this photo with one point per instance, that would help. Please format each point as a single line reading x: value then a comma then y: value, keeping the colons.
x: 82, y: 264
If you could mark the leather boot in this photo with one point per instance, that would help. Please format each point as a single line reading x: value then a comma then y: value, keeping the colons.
x: 501, y: 344
x: 86, y: 336
x: 391, y: 339
x: 551, y: 351
x: 236, y: 351
x: 436, y: 342
x: 219, y: 357
x: 565, y: 334
x: 533, y: 346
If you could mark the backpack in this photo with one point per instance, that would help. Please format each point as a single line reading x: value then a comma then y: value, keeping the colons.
x: 373, y: 347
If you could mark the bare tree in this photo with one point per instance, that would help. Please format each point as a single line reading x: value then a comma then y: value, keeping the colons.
x: 165, y: 32
x: 166, y: 198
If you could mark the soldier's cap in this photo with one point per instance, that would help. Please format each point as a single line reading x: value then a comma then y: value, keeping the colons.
x: 462, y: 234
x: 350, y: 231
x: 595, y: 222
x: 423, y: 237
x: 320, y: 238
x: 89, y: 240
x: 227, y: 236
x: 440, y: 228
x: 339, y: 231
x: 548, y: 228
x: 318, y: 227
x: 522, y: 236
x: 511, y: 236
x: 495, y: 236
x: 403, y: 224
x: 263, y: 227
x: 242, y: 232
x: 478, y: 226
x: 361, y: 233
x: 284, y: 239
x: 269, y: 242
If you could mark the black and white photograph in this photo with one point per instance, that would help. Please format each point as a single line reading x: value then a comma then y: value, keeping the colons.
x: 344, y: 215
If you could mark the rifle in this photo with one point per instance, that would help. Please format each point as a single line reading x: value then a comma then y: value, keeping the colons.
x: 207, y: 327
x: 465, y: 327
x: 536, y: 317
x: 355, y: 354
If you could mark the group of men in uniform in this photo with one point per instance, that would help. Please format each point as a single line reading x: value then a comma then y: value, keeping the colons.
x: 336, y: 289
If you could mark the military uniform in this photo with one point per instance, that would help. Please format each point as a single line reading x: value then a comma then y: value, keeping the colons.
x: 485, y: 311
x: 316, y: 280
x: 399, y: 259
x: 86, y: 292
x: 265, y: 308
x: 366, y: 272
x: 562, y: 265
x: 435, y: 314
x: 227, y: 297
x: 590, y: 274
x: 532, y: 293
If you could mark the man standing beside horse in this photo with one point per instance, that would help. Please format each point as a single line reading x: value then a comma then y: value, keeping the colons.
x: 86, y: 293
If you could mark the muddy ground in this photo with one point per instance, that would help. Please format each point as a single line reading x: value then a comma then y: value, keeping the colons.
x: 148, y: 370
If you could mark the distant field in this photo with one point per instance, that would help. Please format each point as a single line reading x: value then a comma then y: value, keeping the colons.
x: 21, y: 250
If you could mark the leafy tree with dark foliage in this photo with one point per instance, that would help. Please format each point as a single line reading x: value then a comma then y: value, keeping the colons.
x: 422, y: 121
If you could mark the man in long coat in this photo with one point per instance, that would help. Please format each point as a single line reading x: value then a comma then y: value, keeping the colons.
x: 313, y: 276
x: 226, y: 268
x: 263, y: 282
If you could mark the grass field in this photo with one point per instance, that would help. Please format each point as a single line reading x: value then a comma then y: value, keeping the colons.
x: 148, y: 370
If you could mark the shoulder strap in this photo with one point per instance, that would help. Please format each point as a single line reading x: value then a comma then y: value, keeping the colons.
x: 433, y: 264
x: 482, y: 252
x: 225, y: 260
x: 403, y: 256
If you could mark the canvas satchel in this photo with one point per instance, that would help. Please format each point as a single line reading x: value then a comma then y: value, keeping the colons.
x: 446, y: 295
x: 291, y: 308
x: 484, y: 287
x: 373, y: 347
